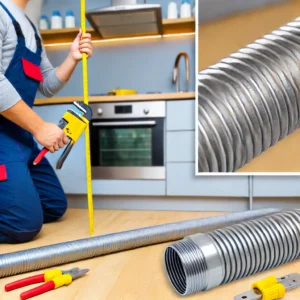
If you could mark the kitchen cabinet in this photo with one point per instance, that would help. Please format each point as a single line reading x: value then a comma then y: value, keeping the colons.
x: 73, y: 173
x: 276, y: 186
x: 180, y: 157
x: 181, y: 181
x: 180, y: 146
x: 129, y: 187
x: 180, y: 115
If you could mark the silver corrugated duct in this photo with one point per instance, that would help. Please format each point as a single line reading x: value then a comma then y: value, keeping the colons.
x: 62, y: 253
x: 206, y: 260
x: 249, y: 101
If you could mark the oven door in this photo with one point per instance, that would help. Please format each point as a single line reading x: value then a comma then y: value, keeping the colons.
x: 127, y: 149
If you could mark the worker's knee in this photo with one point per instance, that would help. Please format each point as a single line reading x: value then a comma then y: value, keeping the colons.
x: 55, y: 209
x: 18, y: 237
x: 21, y: 234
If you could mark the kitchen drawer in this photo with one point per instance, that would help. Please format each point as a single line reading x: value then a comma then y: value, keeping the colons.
x: 129, y: 187
x: 181, y: 146
x: 276, y: 186
x: 181, y: 181
x: 181, y: 115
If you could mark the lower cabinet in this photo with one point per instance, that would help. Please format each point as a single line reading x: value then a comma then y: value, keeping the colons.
x: 129, y: 187
x: 180, y: 146
x: 180, y: 157
x: 181, y: 181
x: 73, y: 173
x: 276, y: 186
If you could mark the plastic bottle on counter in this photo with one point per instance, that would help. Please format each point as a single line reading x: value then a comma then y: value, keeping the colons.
x: 56, y: 20
x: 44, y: 23
x: 70, y: 19
x: 172, y: 10
x: 185, y: 9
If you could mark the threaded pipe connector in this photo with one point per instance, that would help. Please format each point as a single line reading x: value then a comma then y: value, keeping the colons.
x: 204, y: 261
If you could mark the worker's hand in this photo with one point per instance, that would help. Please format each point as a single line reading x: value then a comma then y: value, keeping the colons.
x: 82, y: 44
x: 51, y: 137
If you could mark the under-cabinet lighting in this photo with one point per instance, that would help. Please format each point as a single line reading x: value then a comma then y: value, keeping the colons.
x: 126, y: 39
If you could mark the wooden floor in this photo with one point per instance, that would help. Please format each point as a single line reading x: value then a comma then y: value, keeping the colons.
x: 130, y: 275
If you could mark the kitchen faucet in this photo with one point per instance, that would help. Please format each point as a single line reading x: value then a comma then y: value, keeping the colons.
x: 176, y: 72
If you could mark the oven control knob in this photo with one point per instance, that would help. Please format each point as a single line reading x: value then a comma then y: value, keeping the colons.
x: 146, y: 111
x: 100, y: 111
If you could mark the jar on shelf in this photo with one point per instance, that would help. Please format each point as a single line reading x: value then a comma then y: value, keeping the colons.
x: 70, y: 19
x: 56, y: 20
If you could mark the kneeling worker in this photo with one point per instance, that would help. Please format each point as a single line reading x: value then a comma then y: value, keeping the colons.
x: 29, y: 195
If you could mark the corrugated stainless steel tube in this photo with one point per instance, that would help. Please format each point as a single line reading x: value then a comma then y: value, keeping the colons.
x: 249, y: 101
x: 71, y: 251
x: 204, y: 261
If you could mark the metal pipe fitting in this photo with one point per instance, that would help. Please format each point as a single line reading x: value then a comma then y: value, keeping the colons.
x: 71, y: 251
x: 203, y: 261
x: 249, y: 101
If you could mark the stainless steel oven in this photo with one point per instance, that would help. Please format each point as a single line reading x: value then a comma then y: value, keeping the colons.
x: 127, y: 140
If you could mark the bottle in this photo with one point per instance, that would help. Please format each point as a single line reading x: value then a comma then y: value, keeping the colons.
x: 70, y: 19
x: 44, y: 23
x: 56, y: 20
x: 172, y: 10
x: 185, y: 9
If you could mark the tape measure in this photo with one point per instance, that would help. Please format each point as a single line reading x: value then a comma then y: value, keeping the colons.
x: 87, y: 133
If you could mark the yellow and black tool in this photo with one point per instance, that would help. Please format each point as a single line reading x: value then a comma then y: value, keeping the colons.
x: 74, y: 122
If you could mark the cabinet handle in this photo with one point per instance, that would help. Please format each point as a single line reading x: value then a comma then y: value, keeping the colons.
x: 120, y: 124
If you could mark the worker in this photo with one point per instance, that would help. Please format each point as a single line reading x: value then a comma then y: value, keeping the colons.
x: 29, y: 195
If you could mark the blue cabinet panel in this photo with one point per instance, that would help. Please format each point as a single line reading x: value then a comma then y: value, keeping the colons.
x: 181, y: 146
x: 181, y: 181
x: 276, y: 186
x: 181, y: 115
x: 129, y: 187
x: 73, y: 173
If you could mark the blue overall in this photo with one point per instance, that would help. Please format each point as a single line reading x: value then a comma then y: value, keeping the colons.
x: 29, y: 195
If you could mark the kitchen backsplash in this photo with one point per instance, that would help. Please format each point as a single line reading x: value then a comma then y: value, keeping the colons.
x: 144, y: 65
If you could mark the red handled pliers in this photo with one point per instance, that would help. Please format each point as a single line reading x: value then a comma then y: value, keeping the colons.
x: 53, y: 280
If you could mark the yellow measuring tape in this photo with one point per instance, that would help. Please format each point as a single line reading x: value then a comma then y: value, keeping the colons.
x: 87, y: 132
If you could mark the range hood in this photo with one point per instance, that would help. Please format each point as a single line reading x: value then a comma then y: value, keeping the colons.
x: 126, y: 20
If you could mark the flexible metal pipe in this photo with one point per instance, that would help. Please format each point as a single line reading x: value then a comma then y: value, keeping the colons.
x: 203, y: 261
x: 62, y: 253
x: 249, y: 101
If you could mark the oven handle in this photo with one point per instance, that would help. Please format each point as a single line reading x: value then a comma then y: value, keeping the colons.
x: 120, y: 124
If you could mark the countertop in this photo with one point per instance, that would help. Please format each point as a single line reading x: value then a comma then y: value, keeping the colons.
x: 130, y: 275
x: 221, y: 38
x: 130, y: 98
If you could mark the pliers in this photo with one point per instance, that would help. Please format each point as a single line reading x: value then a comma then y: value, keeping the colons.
x: 53, y: 279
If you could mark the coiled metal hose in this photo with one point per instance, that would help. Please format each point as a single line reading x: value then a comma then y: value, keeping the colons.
x: 62, y: 253
x: 249, y: 101
x: 203, y: 261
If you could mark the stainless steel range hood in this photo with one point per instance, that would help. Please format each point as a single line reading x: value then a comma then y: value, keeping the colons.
x: 126, y: 20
